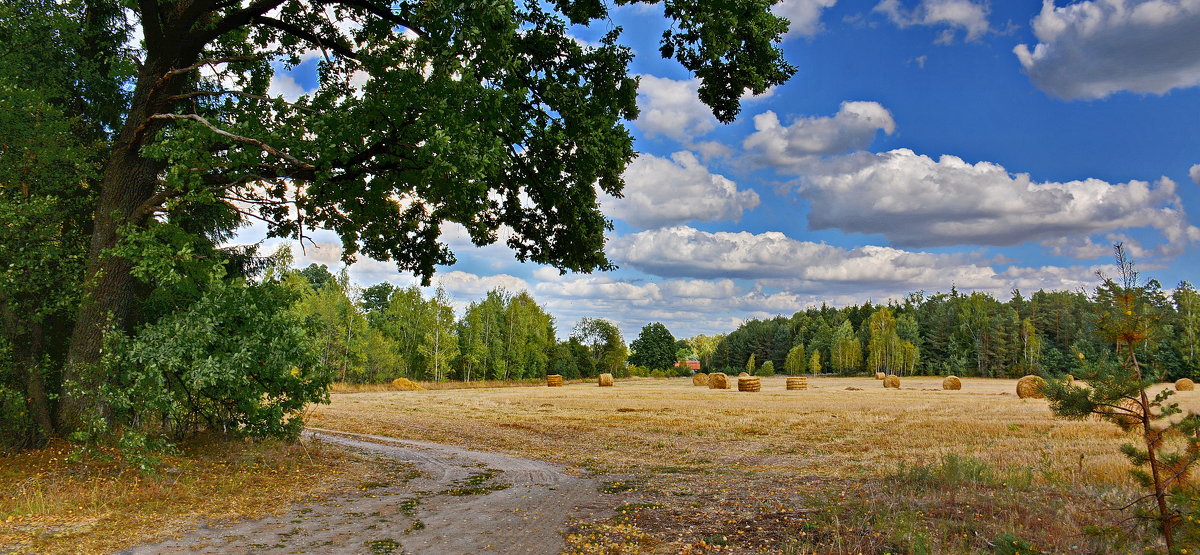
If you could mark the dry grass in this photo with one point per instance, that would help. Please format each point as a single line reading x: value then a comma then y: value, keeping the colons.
x: 824, y: 448
x: 51, y: 505
x: 345, y: 387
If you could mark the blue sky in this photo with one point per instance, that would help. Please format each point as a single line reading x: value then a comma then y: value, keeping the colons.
x: 922, y: 144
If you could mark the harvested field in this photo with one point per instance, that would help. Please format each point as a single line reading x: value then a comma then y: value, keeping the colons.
x: 778, y: 471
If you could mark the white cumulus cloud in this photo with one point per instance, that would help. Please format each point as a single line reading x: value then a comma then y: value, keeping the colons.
x: 917, y: 201
x: 661, y: 192
x: 1194, y: 173
x: 804, y: 15
x: 1095, y: 48
x: 805, y: 267
x: 959, y: 15
x: 672, y: 108
x: 852, y: 128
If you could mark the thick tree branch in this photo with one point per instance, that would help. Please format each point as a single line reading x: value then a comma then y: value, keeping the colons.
x: 205, y: 62
x: 236, y: 19
x: 383, y: 12
x: 151, y: 23
x: 238, y: 138
x: 332, y: 44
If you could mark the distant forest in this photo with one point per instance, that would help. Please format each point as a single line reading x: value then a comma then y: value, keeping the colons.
x: 384, y: 332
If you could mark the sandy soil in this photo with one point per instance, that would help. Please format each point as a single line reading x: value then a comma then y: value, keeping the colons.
x: 437, y: 499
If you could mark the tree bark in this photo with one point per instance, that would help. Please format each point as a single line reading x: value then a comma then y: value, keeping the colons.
x: 110, y: 290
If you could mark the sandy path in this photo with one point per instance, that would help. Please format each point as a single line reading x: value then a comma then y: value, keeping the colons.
x: 438, y: 499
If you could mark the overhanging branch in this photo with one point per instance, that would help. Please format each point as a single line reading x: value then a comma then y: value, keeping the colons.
x: 238, y: 138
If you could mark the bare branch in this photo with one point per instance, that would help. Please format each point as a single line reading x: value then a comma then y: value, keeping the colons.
x: 237, y: 138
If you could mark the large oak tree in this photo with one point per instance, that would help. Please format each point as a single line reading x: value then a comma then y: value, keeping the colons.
x: 488, y: 114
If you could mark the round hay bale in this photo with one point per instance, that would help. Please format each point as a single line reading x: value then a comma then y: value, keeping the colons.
x: 718, y: 380
x: 554, y: 380
x: 700, y: 379
x: 892, y: 381
x: 952, y: 382
x: 743, y: 374
x: 749, y: 383
x: 1030, y: 387
x: 797, y: 384
x: 880, y: 375
x: 1185, y: 384
x: 606, y: 380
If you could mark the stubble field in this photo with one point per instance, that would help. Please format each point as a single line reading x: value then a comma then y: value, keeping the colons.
x: 846, y: 466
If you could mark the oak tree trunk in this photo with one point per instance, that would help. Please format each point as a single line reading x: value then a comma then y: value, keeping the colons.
x: 111, y: 292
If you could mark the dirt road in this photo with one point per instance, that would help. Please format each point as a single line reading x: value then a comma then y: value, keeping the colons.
x: 438, y: 499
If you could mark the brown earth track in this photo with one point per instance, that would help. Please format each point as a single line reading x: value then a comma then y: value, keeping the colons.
x: 439, y: 499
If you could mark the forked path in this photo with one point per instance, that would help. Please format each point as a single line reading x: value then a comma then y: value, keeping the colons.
x: 439, y: 499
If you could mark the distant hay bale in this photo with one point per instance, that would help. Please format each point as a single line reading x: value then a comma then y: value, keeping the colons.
x: 700, y: 379
x: 952, y: 382
x: 1030, y: 387
x: 1185, y: 384
x: 892, y: 381
x: 718, y: 380
x: 880, y: 375
x: 749, y: 383
x: 606, y: 380
x: 554, y: 380
x: 743, y: 374
x: 797, y: 383
x: 405, y: 384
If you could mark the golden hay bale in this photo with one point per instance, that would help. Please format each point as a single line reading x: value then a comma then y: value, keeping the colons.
x: 797, y: 383
x: 880, y: 375
x: 952, y: 382
x: 1185, y: 384
x: 743, y: 374
x: 554, y: 380
x: 1030, y: 387
x: 749, y: 383
x: 700, y: 379
x: 718, y: 380
x: 892, y: 381
x: 406, y: 384
x: 606, y: 380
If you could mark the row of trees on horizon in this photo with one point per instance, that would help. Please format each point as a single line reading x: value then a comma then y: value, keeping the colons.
x: 383, y: 332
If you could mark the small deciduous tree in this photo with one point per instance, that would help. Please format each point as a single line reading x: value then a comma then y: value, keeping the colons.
x: 766, y: 370
x: 654, y: 348
x: 751, y: 366
x: 794, y: 363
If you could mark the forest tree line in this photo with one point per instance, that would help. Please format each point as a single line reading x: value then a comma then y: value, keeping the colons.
x: 961, y: 334
x: 383, y: 332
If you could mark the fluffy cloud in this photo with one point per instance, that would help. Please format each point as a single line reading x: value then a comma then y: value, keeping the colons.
x: 1194, y: 173
x: 916, y: 201
x: 964, y: 15
x: 853, y: 127
x: 662, y: 192
x: 286, y: 86
x: 459, y: 283
x: 818, y: 269
x: 672, y: 108
x: 1092, y: 49
x: 805, y: 16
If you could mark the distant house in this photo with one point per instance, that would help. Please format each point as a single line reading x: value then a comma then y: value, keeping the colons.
x: 693, y: 365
